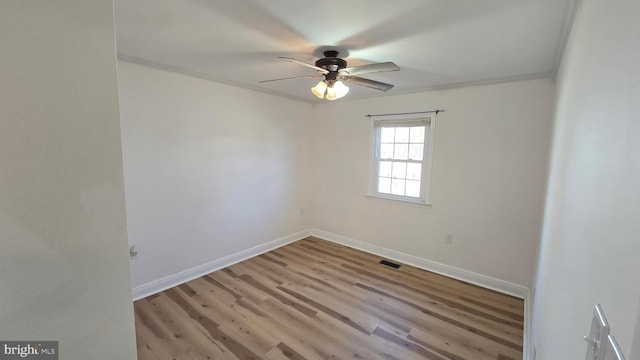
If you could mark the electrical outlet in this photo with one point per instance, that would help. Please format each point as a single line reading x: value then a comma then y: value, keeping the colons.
x: 301, y: 211
x: 448, y: 239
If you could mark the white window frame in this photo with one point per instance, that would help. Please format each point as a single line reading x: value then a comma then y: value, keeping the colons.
x: 429, y: 122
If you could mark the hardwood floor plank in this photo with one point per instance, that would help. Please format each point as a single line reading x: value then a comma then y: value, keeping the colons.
x: 187, y: 339
x: 316, y: 300
x: 430, y: 306
x: 324, y: 334
x: 442, y: 293
x: 250, y: 334
x: 411, y: 346
x: 454, y: 350
x: 341, y: 302
x: 289, y: 353
x: 415, y: 320
x: 232, y: 344
x: 452, y: 304
x: 280, y: 327
x: 278, y: 295
x: 325, y: 309
x: 233, y: 282
x: 487, y: 333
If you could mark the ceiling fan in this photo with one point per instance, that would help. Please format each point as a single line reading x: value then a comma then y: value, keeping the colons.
x: 335, y: 73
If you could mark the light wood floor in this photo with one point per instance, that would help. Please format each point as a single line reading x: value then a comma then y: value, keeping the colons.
x: 314, y: 299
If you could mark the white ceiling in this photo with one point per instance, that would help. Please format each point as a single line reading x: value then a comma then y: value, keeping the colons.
x: 436, y: 43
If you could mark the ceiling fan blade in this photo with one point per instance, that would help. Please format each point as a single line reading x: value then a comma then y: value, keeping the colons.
x: 370, y: 68
x: 368, y: 83
x: 293, y: 77
x: 324, y: 71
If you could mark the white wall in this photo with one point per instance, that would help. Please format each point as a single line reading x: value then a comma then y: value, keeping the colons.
x: 210, y: 169
x: 590, y: 247
x: 64, y: 267
x: 489, y: 171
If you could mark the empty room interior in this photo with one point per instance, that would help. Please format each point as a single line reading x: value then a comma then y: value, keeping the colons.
x: 254, y: 179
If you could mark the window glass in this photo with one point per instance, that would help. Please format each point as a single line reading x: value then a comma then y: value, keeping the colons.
x: 400, y: 159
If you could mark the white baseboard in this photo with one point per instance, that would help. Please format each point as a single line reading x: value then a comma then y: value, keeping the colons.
x: 182, y: 277
x: 488, y: 282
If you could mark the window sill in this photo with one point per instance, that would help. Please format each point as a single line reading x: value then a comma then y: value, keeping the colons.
x: 398, y: 200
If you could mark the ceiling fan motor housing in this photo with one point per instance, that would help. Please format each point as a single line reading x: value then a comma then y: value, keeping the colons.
x: 332, y: 63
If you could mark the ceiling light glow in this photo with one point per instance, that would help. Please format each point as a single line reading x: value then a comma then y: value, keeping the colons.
x: 332, y: 91
x: 319, y: 89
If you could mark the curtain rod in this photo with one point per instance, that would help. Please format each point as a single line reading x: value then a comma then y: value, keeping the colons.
x: 408, y: 113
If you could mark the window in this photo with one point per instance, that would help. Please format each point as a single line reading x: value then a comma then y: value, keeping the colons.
x: 402, y: 154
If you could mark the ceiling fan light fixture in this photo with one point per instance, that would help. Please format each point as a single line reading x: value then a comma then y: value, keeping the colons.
x: 330, y: 90
x: 331, y: 93
x: 341, y: 89
x: 334, y: 69
x: 319, y: 89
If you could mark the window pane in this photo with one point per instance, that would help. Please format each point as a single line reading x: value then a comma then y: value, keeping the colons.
x: 384, y: 169
x: 384, y: 185
x: 402, y: 135
x: 417, y: 134
x: 415, y: 151
x: 401, y: 152
x: 413, y: 188
x: 387, y: 134
x: 386, y: 151
x: 399, y: 170
x: 414, y: 171
x: 397, y: 186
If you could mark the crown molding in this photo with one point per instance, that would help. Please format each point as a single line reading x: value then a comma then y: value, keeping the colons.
x: 207, y: 77
x: 564, y: 39
x: 465, y: 84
